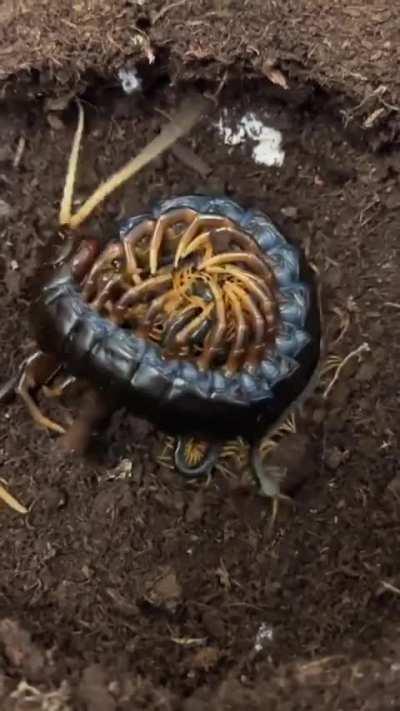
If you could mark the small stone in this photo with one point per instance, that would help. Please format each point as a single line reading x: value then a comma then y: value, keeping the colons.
x: 59, y: 103
x: 367, y: 372
x: 291, y: 212
x: 213, y: 625
x: 333, y: 278
x: 5, y: 154
x: 340, y: 394
x: 318, y: 416
x: 195, y: 509
x: 54, y: 122
x: 335, y: 457
x: 5, y: 209
x: 165, y: 591
x: 18, y: 648
x: 93, y: 690
x: 394, y: 486
x: 376, y: 332
x: 392, y: 201
x: 206, y: 659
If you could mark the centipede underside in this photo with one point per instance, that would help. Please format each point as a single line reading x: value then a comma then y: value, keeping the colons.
x: 200, y: 317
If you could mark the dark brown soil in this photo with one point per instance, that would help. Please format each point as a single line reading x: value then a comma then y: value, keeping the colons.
x: 124, y: 588
x: 349, y: 51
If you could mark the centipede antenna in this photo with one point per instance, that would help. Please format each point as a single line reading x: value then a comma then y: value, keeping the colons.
x: 11, y: 501
x: 68, y: 195
x: 182, y: 123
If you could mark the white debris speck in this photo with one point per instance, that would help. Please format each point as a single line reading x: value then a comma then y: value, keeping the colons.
x: 268, y: 141
x: 14, y: 265
x: 130, y: 80
x: 123, y: 470
x: 265, y: 633
x: 5, y: 209
x: 232, y: 137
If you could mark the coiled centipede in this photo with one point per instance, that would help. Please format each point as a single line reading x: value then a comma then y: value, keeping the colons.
x: 199, y: 316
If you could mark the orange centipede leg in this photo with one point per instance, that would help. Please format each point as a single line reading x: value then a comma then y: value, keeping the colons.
x: 200, y: 221
x: 228, y: 235
x: 135, y: 293
x: 129, y: 242
x: 201, y: 242
x: 183, y: 336
x: 241, y: 331
x: 251, y: 260
x: 185, y: 215
x: 218, y: 330
x: 113, y: 251
x: 257, y: 322
x: 266, y: 301
x: 106, y: 292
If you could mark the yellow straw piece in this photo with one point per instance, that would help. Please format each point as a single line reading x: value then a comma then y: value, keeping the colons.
x: 181, y: 123
x: 66, y: 202
x: 11, y: 502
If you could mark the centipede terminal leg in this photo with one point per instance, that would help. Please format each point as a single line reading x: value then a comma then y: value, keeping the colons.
x: 34, y: 374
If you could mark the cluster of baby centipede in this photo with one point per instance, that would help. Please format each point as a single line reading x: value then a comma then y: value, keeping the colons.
x: 195, y: 284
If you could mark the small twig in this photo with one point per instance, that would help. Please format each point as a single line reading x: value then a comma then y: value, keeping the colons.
x: 392, y: 304
x: 391, y: 107
x: 191, y: 159
x: 361, y: 349
x: 19, y: 152
x: 189, y: 641
x: 390, y: 587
